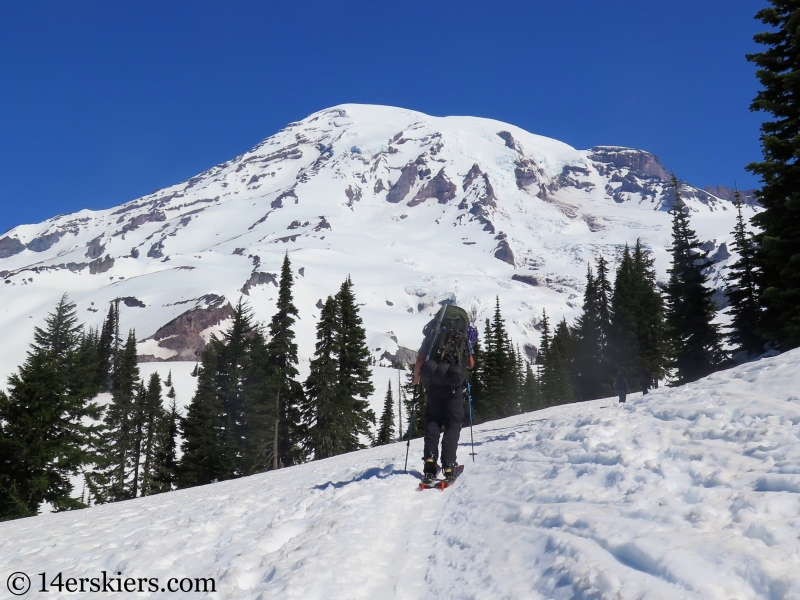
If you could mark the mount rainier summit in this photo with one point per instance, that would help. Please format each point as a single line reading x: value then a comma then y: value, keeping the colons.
x: 416, y: 209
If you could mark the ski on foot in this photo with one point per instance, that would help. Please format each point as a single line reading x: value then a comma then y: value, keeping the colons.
x: 441, y: 484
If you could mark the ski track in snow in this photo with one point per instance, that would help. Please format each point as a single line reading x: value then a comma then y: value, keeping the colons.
x: 689, y: 492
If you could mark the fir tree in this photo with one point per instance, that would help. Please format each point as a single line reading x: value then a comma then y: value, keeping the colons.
x: 165, y: 464
x: 261, y: 412
x: 556, y: 361
x: 286, y: 391
x: 590, y: 366
x: 694, y: 338
x: 119, y: 435
x: 386, y: 425
x: 742, y: 291
x: 321, y: 411
x: 203, y: 459
x: 415, y: 400
x: 43, y: 430
x: 153, y: 420
x: 532, y: 393
x: 777, y: 257
x: 233, y: 363
x: 624, y: 345
x: 107, y: 347
x: 353, y: 386
x: 648, y: 312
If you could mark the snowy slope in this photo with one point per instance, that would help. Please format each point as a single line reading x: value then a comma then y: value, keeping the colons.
x: 691, y: 492
x: 415, y: 208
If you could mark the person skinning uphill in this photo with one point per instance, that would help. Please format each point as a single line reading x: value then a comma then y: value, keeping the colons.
x: 442, y: 362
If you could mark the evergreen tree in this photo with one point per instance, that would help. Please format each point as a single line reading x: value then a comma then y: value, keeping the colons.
x: 694, y: 338
x: 165, y: 463
x: 386, y: 425
x: 203, y: 446
x: 590, y: 367
x: 261, y: 412
x: 498, y: 377
x: 648, y: 313
x: 777, y: 257
x: 353, y: 386
x: 532, y: 393
x: 623, y: 344
x: 415, y: 399
x: 286, y: 391
x: 118, y: 440
x: 233, y: 364
x: 321, y: 411
x: 153, y: 420
x: 556, y: 361
x: 742, y: 291
x: 43, y: 431
x: 107, y: 347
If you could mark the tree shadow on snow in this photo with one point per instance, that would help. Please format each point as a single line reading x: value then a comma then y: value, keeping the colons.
x: 373, y: 473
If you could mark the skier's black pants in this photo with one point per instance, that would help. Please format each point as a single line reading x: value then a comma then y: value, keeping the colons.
x: 445, y: 408
x: 622, y: 396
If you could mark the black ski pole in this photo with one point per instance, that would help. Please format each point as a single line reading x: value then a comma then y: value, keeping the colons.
x: 471, y: 439
x: 410, y: 425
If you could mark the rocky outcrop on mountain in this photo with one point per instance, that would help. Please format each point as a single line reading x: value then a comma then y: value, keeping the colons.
x: 10, y: 246
x: 95, y: 248
x: 503, y: 251
x: 726, y: 193
x: 608, y: 159
x: 440, y: 187
x: 183, y: 333
x: 101, y: 265
x: 408, y: 176
x: 44, y: 242
x: 258, y: 279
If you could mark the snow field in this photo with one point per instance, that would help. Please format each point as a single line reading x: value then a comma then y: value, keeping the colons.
x: 689, y: 492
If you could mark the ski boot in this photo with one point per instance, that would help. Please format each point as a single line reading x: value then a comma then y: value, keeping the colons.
x: 429, y: 471
x: 450, y: 471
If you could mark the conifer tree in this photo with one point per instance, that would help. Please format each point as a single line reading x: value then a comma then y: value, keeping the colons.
x: 119, y: 435
x: 556, y: 361
x: 742, y: 291
x: 694, y: 338
x: 386, y: 425
x: 532, y: 393
x: 590, y: 367
x: 107, y: 347
x: 203, y: 446
x: 153, y: 420
x: 415, y: 400
x: 286, y: 391
x: 321, y: 411
x: 233, y: 363
x: 165, y: 464
x: 624, y: 345
x: 261, y: 412
x: 353, y: 385
x: 648, y: 312
x: 777, y: 258
x: 43, y: 431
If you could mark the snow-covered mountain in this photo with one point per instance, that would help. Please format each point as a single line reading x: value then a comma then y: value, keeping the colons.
x: 417, y: 209
x: 687, y: 493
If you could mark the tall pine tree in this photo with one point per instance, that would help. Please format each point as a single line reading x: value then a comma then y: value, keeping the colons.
x: 386, y: 425
x: 777, y: 257
x: 742, y: 291
x: 694, y: 339
x: 286, y: 391
x: 44, y: 435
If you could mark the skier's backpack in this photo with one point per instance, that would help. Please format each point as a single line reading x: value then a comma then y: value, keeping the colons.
x: 448, y: 341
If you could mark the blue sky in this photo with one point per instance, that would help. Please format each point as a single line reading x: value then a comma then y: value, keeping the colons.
x: 102, y: 102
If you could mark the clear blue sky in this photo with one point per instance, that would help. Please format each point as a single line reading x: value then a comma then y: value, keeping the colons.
x: 102, y: 102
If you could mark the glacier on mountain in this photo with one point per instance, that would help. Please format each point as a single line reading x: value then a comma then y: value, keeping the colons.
x: 416, y: 209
